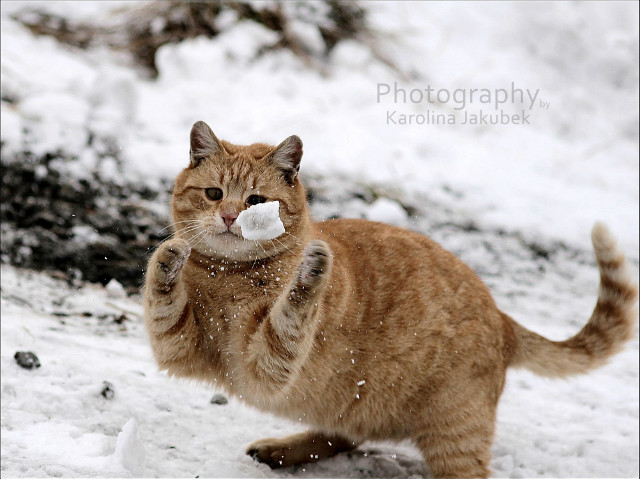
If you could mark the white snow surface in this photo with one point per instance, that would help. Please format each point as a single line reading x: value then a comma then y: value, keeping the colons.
x: 261, y: 221
x: 55, y: 423
x: 577, y: 162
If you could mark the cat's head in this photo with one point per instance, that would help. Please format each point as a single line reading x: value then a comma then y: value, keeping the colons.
x: 222, y: 180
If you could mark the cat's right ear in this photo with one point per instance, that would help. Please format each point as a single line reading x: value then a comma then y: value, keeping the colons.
x: 204, y: 143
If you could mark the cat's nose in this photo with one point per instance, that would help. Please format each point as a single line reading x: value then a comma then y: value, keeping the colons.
x: 229, y: 218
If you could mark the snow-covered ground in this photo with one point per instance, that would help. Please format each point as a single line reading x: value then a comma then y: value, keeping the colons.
x: 541, y: 184
x: 55, y: 422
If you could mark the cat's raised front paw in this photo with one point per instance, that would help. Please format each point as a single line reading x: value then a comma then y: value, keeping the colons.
x: 316, y: 263
x: 171, y: 257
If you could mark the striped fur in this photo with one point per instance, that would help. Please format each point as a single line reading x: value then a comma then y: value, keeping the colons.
x: 361, y: 330
x: 612, y: 322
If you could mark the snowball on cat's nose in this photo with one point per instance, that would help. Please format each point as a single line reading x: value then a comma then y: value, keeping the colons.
x: 261, y: 221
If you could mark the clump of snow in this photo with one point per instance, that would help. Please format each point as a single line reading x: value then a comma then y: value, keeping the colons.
x: 115, y: 289
x: 130, y: 453
x: 387, y: 211
x: 261, y: 221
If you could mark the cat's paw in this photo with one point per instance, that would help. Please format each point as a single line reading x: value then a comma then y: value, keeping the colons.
x: 271, y: 453
x: 315, y: 264
x: 170, y: 258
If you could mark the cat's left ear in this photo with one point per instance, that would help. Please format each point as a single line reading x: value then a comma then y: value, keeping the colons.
x: 286, y: 157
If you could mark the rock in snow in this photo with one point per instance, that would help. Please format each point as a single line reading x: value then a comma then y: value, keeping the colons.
x: 219, y: 399
x: 129, y: 452
x: 27, y: 359
x: 261, y: 221
x: 108, y: 391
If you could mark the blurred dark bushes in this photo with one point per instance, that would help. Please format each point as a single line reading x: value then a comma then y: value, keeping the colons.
x: 141, y: 30
x: 89, y: 229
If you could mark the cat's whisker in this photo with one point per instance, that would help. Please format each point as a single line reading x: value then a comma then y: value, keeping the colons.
x: 189, y: 229
x: 183, y: 232
x: 281, y: 243
x: 255, y: 260
x: 154, y: 247
x: 262, y: 247
x: 163, y: 229
x: 196, y: 221
x: 203, y: 234
x: 191, y: 222
x: 208, y: 231
x: 184, y: 221
x: 293, y: 236
x: 198, y: 237
x: 194, y: 224
x: 187, y: 221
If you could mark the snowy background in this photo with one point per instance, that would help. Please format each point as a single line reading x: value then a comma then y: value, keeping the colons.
x: 91, y: 142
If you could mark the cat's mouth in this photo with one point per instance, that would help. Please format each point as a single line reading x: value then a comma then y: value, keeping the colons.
x: 228, y: 235
x: 232, y: 245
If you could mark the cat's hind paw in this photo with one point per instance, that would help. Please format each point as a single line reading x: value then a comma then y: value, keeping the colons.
x: 277, y: 453
x: 274, y: 458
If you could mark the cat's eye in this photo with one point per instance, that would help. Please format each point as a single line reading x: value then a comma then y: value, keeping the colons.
x: 213, y: 193
x: 255, y: 199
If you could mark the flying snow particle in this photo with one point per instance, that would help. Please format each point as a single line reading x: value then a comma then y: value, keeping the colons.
x: 360, y: 383
x: 261, y: 221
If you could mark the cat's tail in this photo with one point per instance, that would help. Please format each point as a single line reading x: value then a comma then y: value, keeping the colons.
x: 612, y: 322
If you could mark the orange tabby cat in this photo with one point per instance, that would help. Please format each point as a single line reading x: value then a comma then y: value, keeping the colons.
x: 363, y: 330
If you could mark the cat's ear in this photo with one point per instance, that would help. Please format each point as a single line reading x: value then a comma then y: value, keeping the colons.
x: 204, y: 143
x: 286, y: 157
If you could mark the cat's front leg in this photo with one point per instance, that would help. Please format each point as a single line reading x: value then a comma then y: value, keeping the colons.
x: 164, y: 292
x: 285, y: 337
x: 296, y: 304
x: 168, y: 315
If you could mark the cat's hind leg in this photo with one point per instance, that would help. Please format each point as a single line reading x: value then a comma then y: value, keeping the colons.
x: 309, y: 446
x: 456, y: 441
